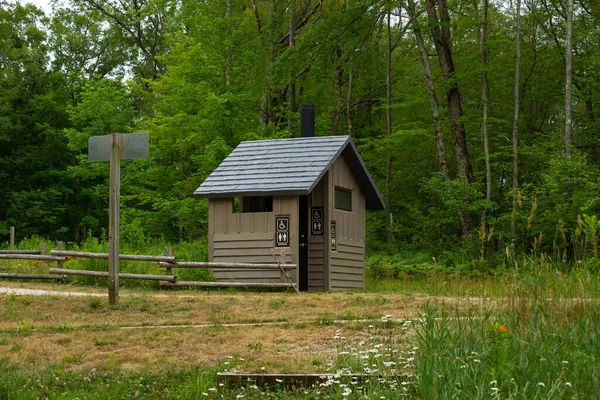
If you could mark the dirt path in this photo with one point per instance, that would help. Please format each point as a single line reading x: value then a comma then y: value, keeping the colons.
x: 39, y: 292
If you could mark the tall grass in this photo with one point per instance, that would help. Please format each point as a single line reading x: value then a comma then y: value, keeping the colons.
x: 542, y: 341
x: 55, y: 383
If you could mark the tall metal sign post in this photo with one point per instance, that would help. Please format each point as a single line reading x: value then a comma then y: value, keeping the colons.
x: 114, y: 148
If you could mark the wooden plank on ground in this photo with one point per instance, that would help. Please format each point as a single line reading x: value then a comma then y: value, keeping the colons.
x: 237, y: 380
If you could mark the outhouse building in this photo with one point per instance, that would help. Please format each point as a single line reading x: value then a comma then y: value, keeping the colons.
x: 303, y: 198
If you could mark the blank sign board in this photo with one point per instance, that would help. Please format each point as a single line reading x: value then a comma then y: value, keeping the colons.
x: 135, y: 145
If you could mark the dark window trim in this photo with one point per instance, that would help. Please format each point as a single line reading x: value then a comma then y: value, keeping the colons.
x: 341, y: 189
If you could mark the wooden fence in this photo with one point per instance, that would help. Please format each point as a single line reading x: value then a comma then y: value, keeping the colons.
x: 286, y: 282
x: 169, y: 262
x: 30, y: 255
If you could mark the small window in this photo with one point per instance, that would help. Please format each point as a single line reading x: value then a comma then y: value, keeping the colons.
x: 253, y: 204
x: 343, y: 199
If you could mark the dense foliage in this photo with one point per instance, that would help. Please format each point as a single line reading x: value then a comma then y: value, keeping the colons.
x: 201, y: 76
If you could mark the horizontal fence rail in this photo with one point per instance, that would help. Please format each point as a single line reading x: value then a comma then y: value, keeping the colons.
x: 20, y: 252
x: 31, y: 257
x: 99, y: 274
x: 130, y: 257
x: 4, y: 275
x: 226, y: 265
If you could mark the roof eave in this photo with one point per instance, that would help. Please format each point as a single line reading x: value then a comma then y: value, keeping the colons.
x: 214, y: 195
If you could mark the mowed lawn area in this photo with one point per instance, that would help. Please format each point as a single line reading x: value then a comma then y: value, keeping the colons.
x: 272, y: 332
x: 419, y: 341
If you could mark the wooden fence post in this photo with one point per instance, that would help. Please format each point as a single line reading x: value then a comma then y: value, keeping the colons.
x: 43, y: 248
x: 59, y: 246
x: 12, y: 237
x: 116, y: 146
x: 169, y: 270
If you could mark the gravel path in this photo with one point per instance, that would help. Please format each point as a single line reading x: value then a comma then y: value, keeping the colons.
x: 38, y: 292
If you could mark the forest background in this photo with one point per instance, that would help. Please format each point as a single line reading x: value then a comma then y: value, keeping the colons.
x: 477, y: 120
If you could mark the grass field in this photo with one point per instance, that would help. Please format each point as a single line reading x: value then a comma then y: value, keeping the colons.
x: 441, y: 337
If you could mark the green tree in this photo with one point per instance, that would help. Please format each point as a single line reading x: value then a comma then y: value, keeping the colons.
x: 34, y: 186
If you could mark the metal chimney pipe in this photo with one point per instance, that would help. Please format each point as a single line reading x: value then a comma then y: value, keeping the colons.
x: 307, y: 120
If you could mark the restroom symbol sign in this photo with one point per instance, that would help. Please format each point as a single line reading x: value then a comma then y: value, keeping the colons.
x: 282, y: 237
x: 282, y: 225
x: 316, y: 222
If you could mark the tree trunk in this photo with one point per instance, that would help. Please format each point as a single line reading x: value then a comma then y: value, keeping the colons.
x: 435, y: 109
x: 292, y: 91
x: 228, y: 50
x: 388, y: 176
x: 378, y: 38
x: 440, y: 30
x: 349, y: 98
x: 257, y: 16
x: 569, y: 82
x: 484, y: 102
x: 515, y: 131
x: 337, y: 88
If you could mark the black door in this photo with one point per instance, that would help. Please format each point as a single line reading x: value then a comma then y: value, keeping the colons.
x: 303, y: 243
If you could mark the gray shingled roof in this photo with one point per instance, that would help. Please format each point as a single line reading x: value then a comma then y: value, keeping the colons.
x: 286, y: 167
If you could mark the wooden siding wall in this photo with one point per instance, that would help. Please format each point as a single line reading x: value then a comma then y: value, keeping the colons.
x: 316, y: 244
x: 347, y: 264
x: 250, y: 237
